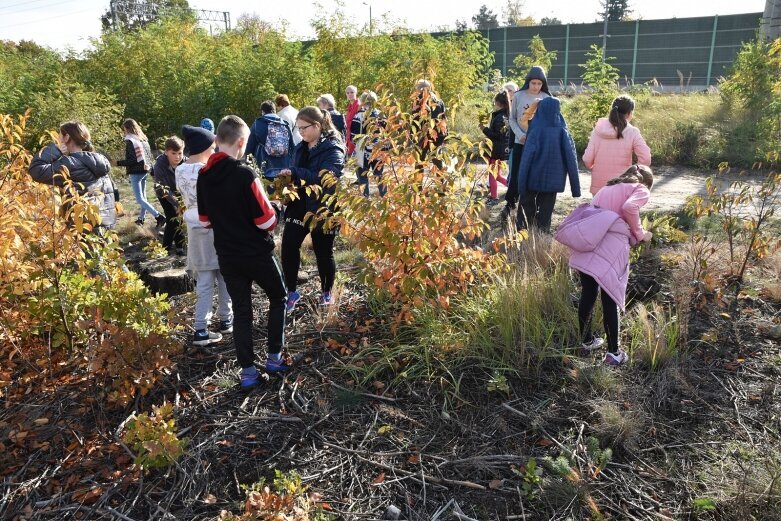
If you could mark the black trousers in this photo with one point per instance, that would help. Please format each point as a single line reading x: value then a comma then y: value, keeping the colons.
x: 239, y: 274
x: 512, y: 176
x: 588, y: 298
x: 323, y: 245
x: 172, y: 233
x: 536, y: 209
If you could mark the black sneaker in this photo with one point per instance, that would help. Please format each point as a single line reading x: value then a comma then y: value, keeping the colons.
x: 203, y: 337
x: 139, y: 221
x: 160, y: 221
x: 226, y: 326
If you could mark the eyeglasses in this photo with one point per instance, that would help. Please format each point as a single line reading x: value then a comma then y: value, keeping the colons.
x: 301, y: 129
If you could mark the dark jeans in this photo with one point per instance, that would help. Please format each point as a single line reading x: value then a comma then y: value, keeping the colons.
x: 536, y: 209
x: 322, y: 244
x: 586, y: 308
x: 239, y: 274
x: 172, y: 234
x: 363, y: 178
x: 512, y: 176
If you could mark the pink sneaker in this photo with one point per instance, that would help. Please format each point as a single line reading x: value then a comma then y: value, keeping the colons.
x: 616, y: 359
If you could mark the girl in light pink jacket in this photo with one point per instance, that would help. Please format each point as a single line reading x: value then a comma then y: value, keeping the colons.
x: 612, y: 143
x: 599, y: 236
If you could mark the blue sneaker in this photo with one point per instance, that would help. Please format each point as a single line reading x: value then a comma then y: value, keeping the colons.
x: 250, y: 380
x: 292, y: 299
x: 285, y: 363
x: 326, y: 299
x: 226, y: 326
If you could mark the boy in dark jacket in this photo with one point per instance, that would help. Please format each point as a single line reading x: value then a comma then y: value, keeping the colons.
x: 548, y: 159
x: 277, y: 152
x: 232, y: 201
x: 166, y: 192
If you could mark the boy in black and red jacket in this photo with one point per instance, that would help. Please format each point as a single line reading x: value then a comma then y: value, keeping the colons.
x: 232, y: 201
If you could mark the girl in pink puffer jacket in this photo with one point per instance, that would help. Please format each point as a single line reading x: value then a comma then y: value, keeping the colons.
x: 599, y: 236
x: 612, y: 143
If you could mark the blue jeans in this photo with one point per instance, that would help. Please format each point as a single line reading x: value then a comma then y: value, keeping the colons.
x: 138, y: 182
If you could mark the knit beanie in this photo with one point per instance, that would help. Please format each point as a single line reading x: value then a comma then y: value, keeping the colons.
x: 207, y: 124
x: 196, y: 139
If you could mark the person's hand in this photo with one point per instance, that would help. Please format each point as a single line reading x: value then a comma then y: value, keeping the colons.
x: 285, y: 172
x: 522, y: 140
x: 647, y: 236
x: 481, y: 125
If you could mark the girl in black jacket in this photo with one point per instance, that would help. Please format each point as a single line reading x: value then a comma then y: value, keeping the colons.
x: 497, y: 132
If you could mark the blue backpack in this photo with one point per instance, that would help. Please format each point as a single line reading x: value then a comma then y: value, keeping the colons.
x: 278, y: 139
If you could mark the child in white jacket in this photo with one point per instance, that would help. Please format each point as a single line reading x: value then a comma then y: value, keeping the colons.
x: 201, y: 256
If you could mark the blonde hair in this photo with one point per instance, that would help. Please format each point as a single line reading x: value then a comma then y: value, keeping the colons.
x: 131, y: 126
x: 230, y: 129
x: 79, y: 134
x: 328, y: 99
x: 368, y: 98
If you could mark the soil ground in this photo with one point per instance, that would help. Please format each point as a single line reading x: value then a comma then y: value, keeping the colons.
x: 705, y: 427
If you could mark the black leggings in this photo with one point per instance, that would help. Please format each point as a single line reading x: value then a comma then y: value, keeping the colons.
x: 586, y: 308
x: 323, y: 246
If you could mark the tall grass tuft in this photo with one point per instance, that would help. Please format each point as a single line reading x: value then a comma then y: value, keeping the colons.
x: 654, y: 336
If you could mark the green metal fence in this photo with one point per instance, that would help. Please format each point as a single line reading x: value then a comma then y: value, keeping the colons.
x: 701, y: 49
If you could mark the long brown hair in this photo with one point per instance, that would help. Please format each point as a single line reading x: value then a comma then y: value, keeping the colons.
x: 635, y: 174
x: 79, y: 134
x: 131, y: 126
x: 317, y: 115
x: 621, y: 106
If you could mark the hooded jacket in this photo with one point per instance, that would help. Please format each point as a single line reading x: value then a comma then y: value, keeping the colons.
x: 308, y: 163
x: 257, y: 141
x: 599, y: 241
x: 549, y: 154
x: 607, y: 156
x: 89, y: 173
x: 232, y: 201
x: 523, y: 99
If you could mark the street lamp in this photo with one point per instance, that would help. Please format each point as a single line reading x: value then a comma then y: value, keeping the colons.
x: 370, y: 16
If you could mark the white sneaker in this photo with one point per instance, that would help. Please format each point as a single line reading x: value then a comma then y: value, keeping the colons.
x: 619, y: 358
x: 589, y: 347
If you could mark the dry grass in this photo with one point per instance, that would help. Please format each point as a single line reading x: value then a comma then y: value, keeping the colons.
x: 614, y: 426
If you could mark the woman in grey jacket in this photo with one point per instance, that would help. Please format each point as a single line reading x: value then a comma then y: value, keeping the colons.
x: 87, y: 169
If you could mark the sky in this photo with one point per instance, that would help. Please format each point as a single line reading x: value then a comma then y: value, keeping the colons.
x: 63, y: 24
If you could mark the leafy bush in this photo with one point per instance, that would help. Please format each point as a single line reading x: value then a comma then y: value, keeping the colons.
x: 538, y: 55
x: 285, y: 500
x: 65, y: 286
x: 754, y: 84
x: 97, y: 109
x: 416, y: 239
x: 154, y: 439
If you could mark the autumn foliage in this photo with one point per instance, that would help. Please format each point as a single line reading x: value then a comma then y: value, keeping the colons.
x: 418, y: 241
x: 67, y: 304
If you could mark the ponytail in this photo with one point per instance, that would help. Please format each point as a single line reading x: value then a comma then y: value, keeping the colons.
x: 621, y: 107
x: 635, y: 174
x: 79, y: 134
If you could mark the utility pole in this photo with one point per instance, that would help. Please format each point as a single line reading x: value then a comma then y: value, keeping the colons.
x: 370, y: 16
